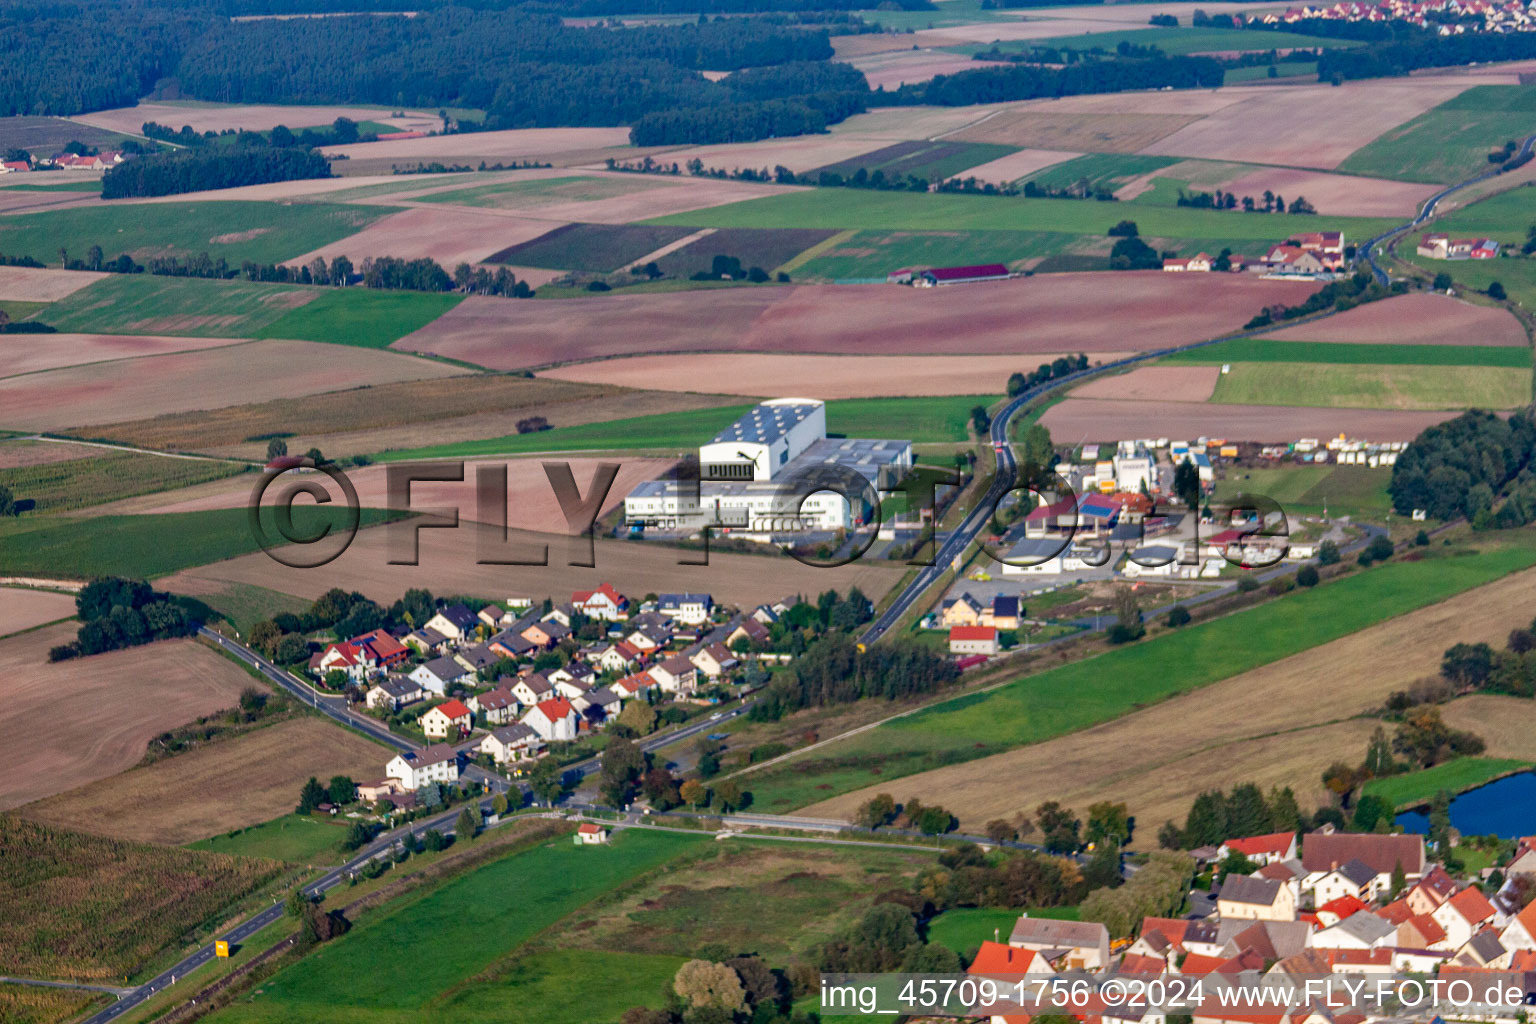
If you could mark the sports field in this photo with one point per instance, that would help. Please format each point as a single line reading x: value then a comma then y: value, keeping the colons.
x: 141, y: 304
x: 453, y: 935
x: 1359, y: 386
x: 1451, y: 141
x: 1086, y: 693
x: 363, y: 317
x: 263, y: 232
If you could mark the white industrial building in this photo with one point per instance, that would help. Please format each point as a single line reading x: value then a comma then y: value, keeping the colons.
x: 757, y: 476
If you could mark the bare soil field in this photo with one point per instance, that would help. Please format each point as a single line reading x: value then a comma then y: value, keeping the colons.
x: 231, y: 375
x: 845, y: 47
x: 1279, y: 124
x: 1156, y: 384
x: 1503, y: 722
x: 73, y: 722
x: 1219, y: 735
x: 1010, y: 168
x: 36, y: 284
x: 1343, y: 194
x: 29, y: 353
x: 407, y: 415
x: 1420, y: 318
x: 825, y: 377
x: 645, y: 197
x: 895, y: 69
x: 242, y: 781
x: 449, y: 235
x: 903, y: 123
x: 21, y: 610
x: 1085, y: 132
x: 319, y: 189
x: 496, y: 147
x: 256, y: 118
x: 1106, y: 419
x: 531, y: 503
x: 1044, y: 314
x: 15, y: 454
x: 800, y: 153
x: 448, y: 563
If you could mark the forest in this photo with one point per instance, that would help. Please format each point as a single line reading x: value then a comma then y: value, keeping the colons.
x: 996, y: 85
x: 1462, y: 467
x: 198, y: 170
x: 1418, y: 49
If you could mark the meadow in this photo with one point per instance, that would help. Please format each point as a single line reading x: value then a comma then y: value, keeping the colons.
x: 263, y: 232
x: 79, y: 906
x: 1285, y: 69
x: 1518, y: 276
x: 1414, y: 789
x: 552, y: 987
x: 1100, y: 170
x: 1451, y: 141
x: 95, y: 480
x: 1505, y: 216
x: 1375, y: 387
x: 1084, y: 693
x: 597, y: 248
x: 873, y: 254
x: 964, y: 929
x: 911, y: 211
x: 454, y: 936
x: 143, y: 304
x: 296, y: 838
x: 1268, y: 350
x: 144, y: 546
x: 543, y: 192
x: 932, y: 419
x: 28, y: 1004
x: 1184, y: 40
x: 365, y: 317
x: 1345, y: 490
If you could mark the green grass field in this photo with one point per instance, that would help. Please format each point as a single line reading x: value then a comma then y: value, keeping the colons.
x: 18, y: 309
x: 913, y: 211
x: 1333, y: 386
x: 454, y: 938
x: 296, y: 838
x: 923, y: 159
x: 557, y: 987
x: 1100, y: 170
x: 544, y: 191
x: 1285, y: 69
x: 143, y: 546
x: 360, y: 316
x: 1085, y: 693
x: 1345, y: 490
x: 597, y: 248
x: 142, y: 304
x: 264, y: 232
x: 927, y: 419
x: 1504, y: 215
x: 1451, y: 141
x: 964, y: 929
x: 1268, y: 350
x: 1187, y: 39
x: 1414, y: 789
x: 56, y: 186
x: 246, y: 604
x: 870, y: 254
x: 81, y: 483
x: 755, y: 247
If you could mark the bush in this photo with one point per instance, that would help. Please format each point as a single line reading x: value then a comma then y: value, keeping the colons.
x: 1247, y: 584
x: 1307, y: 576
x: 1178, y: 616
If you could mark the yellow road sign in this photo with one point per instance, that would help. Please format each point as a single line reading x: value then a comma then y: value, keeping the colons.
x: 221, y: 948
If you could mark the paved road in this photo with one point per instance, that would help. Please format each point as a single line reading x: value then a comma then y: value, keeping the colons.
x: 1428, y: 209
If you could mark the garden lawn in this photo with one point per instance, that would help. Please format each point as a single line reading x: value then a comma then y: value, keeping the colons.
x: 144, y: 546
x: 263, y: 232
x: 1267, y: 350
x: 1451, y: 141
x: 452, y: 934
x: 360, y: 316
x: 914, y: 211
x: 963, y: 929
x: 1413, y: 789
x: 297, y: 838
x: 1098, y: 689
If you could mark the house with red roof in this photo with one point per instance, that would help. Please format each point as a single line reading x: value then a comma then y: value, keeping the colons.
x: 1464, y: 915
x: 1430, y: 891
x: 450, y: 720
x: 998, y: 959
x: 962, y: 275
x: 1336, y: 910
x: 554, y: 720
x: 589, y: 834
x: 385, y: 651
x: 350, y: 658
x: 973, y: 640
x: 14, y: 167
x: 1262, y: 850
x: 604, y: 603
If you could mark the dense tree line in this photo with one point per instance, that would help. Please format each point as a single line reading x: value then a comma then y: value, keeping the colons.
x: 117, y: 613
x: 1061, y: 366
x: 834, y: 671
x: 997, y: 85
x: 1339, y: 295
x: 343, y: 131
x: 1409, y: 49
x: 1217, y: 816
x: 745, y: 121
x: 165, y: 174
x: 1462, y: 466
x: 1156, y: 890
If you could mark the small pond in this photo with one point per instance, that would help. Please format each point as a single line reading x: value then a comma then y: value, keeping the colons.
x: 1505, y: 808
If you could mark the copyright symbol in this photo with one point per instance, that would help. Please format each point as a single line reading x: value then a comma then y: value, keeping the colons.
x: 292, y: 546
x: 1114, y: 992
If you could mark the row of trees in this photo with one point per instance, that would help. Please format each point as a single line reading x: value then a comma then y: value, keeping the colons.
x: 1404, y: 48
x: 835, y: 671
x: 1216, y: 816
x: 343, y: 131
x: 217, y: 167
x: 1347, y: 293
x: 1061, y: 366
x: 1157, y: 889
x: 1219, y: 200
x: 116, y: 613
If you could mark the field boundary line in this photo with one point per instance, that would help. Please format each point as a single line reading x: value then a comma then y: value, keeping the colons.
x: 796, y: 262
x: 111, y: 446
x: 45, y: 983
x: 669, y: 248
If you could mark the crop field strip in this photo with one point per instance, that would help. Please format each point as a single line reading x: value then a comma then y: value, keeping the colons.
x: 1450, y: 141
x: 1357, y: 386
x: 599, y: 248
x: 922, y: 159
x: 98, y: 479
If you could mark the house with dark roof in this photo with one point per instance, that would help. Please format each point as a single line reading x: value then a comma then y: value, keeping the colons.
x: 1068, y: 945
x: 515, y: 742
x: 438, y: 674
x: 1353, y: 878
x: 1323, y: 852
x: 454, y: 622
x: 393, y: 692
x: 1244, y: 897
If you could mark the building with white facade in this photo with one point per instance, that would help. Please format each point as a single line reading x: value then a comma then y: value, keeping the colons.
x: 772, y: 472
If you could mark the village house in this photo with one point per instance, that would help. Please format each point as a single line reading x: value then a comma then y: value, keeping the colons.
x: 750, y: 630
x: 973, y: 640
x: 1324, y: 852
x: 554, y: 720
x: 499, y: 706
x: 1483, y: 950
x: 509, y: 643
x: 1200, y: 262
x: 1430, y: 891
x: 354, y: 661
x: 637, y: 685
x: 1004, y: 613
x: 1520, y: 932
x: 545, y: 633
x: 1261, y: 850
x: 692, y: 609
x: 1358, y: 931
x: 649, y: 638
x: 1464, y: 915
x: 385, y: 650
x: 1437, y: 246
x: 454, y: 622
x: 964, y: 610
x: 588, y: 834
x: 516, y: 742
x: 438, y: 674
x: 1000, y: 960
x: 368, y: 792
x: 494, y: 617
x: 714, y: 660
x: 426, y: 641
x: 477, y: 658
x: 675, y: 675
x: 1353, y: 879
x: 450, y: 720
x: 606, y: 702
x: 1067, y: 945
x: 617, y: 657
x: 531, y: 689
x: 604, y: 603
x: 438, y: 763
x: 1257, y: 899
x: 394, y: 693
